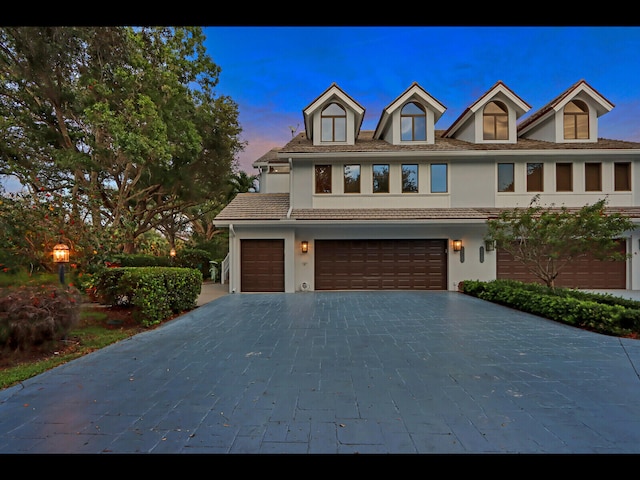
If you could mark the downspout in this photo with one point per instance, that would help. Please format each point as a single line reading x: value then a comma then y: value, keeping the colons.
x: 290, y: 190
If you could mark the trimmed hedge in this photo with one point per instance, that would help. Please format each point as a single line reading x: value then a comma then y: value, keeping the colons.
x: 156, y: 293
x: 603, y: 313
x: 185, y: 258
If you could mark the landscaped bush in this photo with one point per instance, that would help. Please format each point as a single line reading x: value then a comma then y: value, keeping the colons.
x: 35, y: 315
x: 141, y: 260
x: 194, y: 258
x: 602, y: 313
x: 156, y: 293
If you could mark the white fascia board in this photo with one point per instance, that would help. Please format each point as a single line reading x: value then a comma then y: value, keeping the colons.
x: 434, y: 105
x: 328, y: 95
x: 604, y: 104
x: 465, y: 154
x: 410, y: 221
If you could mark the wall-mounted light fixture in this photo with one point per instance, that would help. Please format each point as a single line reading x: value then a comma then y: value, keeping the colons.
x: 457, y: 245
x: 490, y: 245
x: 304, y: 246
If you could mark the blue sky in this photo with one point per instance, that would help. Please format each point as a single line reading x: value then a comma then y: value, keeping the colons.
x: 273, y: 73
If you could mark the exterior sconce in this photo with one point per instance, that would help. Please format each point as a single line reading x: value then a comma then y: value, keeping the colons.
x: 61, y: 256
x: 304, y: 246
x: 172, y: 252
x: 490, y: 245
x: 457, y: 245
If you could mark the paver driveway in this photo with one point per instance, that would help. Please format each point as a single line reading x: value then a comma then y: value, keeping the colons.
x: 338, y: 372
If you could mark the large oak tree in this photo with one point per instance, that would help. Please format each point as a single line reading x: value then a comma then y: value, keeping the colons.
x: 122, y: 121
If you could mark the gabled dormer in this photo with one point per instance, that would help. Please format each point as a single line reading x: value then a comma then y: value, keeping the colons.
x: 410, y: 118
x: 572, y: 117
x: 491, y: 119
x: 334, y: 118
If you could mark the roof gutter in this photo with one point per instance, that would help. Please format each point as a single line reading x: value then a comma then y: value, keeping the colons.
x: 290, y: 187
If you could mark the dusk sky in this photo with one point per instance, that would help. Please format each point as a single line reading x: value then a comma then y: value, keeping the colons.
x: 273, y: 73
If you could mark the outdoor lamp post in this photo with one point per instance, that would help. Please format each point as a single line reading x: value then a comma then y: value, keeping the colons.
x: 172, y: 254
x: 61, y: 256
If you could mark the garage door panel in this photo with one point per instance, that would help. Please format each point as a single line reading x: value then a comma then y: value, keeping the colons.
x: 262, y: 265
x: 380, y: 264
x: 584, y: 272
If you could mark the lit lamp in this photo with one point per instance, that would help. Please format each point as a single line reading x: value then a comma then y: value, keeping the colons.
x: 304, y: 246
x: 172, y: 254
x: 457, y: 245
x: 61, y: 256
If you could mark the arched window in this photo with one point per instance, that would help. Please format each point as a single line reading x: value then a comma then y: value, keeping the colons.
x: 576, y: 120
x: 334, y: 123
x: 495, y: 121
x: 413, y: 122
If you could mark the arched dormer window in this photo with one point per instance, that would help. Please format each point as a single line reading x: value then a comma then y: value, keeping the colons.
x: 495, y: 121
x: 413, y: 122
x: 334, y: 123
x: 576, y: 120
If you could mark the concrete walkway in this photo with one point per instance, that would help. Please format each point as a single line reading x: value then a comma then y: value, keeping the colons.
x: 210, y: 291
x: 338, y: 373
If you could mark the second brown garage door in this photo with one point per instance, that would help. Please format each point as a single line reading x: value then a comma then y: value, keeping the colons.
x: 585, y: 272
x: 380, y: 265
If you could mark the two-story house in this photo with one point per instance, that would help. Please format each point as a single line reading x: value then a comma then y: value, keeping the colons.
x: 405, y: 206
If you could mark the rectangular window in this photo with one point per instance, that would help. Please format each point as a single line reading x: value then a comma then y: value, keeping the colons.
x: 505, y: 177
x: 569, y: 127
x: 334, y: 129
x: 593, y: 177
x: 352, y: 179
x: 535, y: 180
x: 323, y: 178
x: 340, y: 129
x: 409, y: 178
x: 622, y: 177
x: 438, y: 178
x: 278, y: 168
x: 381, y: 179
x: 564, y: 177
x: 583, y: 126
x: 327, y: 129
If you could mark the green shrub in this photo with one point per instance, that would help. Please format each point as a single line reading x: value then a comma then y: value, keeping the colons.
x: 194, y: 258
x: 141, y: 260
x: 35, y: 315
x: 156, y: 293
x: 603, y: 313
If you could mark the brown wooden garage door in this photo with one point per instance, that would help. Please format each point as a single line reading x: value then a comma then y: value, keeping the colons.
x: 262, y: 265
x: 380, y: 265
x: 585, y: 272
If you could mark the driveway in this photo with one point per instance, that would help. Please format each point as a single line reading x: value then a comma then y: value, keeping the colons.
x: 338, y: 373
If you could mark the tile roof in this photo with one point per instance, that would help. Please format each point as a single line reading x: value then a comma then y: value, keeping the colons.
x: 366, y: 143
x: 275, y: 206
x: 256, y: 206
